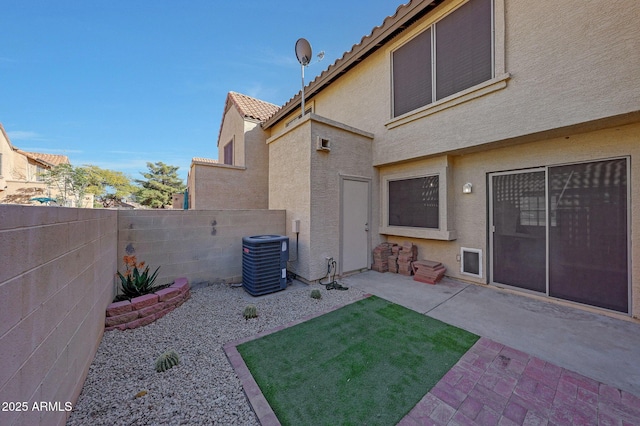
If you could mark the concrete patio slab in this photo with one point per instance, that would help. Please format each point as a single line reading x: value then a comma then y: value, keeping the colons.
x: 597, y: 346
x: 404, y: 290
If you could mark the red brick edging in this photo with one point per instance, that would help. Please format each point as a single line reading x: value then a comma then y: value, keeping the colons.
x: 146, y: 309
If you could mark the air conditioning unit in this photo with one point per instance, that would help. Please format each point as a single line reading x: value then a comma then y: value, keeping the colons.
x: 264, y: 263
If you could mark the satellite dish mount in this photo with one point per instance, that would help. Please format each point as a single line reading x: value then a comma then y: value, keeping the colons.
x: 303, y: 53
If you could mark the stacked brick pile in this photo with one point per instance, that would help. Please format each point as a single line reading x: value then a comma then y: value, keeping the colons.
x: 406, y: 256
x: 381, y: 257
x: 427, y: 271
x: 146, y: 309
x: 393, y: 259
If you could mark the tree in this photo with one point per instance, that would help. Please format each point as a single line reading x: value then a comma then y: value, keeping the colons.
x: 108, y: 186
x: 70, y: 183
x: 161, y: 183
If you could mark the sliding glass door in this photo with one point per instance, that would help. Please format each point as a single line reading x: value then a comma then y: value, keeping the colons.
x: 563, y: 231
x: 588, y: 245
x: 519, y: 230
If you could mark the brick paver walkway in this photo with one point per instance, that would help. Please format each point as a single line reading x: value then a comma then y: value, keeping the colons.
x: 493, y: 384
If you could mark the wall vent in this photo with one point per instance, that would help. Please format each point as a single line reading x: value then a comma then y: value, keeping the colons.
x: 471, y: 262
x: 323, y: 144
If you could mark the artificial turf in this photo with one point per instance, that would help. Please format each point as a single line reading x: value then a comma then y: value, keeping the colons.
x: 369, y: 362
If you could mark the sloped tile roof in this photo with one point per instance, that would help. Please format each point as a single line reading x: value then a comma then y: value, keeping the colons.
x: 252, y: 107
x: 51, y: 159
x: 204, y: 160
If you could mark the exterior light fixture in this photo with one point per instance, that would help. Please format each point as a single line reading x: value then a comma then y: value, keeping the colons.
x: 467, y: 188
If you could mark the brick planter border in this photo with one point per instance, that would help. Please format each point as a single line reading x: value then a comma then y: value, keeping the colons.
x: 146, y: 309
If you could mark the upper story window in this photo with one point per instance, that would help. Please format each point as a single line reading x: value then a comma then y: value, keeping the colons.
x: 228, y: 153
x: 40, y: 173
x: 453, y: 54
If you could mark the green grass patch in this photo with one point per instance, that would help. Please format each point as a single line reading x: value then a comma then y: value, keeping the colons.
x: 367, y: 363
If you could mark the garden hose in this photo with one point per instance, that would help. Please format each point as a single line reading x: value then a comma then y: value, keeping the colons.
x: 333, y: 285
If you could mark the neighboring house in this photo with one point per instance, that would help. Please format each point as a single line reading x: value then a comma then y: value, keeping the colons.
x: 21, y: 174
x: 240, y: 180
x: 500, y: 136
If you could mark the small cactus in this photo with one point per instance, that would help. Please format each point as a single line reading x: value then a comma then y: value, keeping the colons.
x: 315, y: 294
x: 250, y: 311
x: 166, y: 361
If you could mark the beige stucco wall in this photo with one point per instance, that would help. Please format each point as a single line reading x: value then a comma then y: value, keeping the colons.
x: 201, y: 245
x: 569, y: 62
x: 290, y: 186
x: 562, y: 70
x: 232, y: 129
x: 18, y: 176
x: 471, y: 210
x: 243, y: 185
x: 56, y: 280
x: 306, y: 183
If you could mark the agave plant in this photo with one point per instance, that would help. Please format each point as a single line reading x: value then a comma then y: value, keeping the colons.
x: 134, y: 282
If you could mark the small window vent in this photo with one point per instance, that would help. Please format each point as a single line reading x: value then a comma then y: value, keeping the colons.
x: 471, y: 262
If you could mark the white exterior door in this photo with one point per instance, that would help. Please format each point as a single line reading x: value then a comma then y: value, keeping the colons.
x: 355, y: 225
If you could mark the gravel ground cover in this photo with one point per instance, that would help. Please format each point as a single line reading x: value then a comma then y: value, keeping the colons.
x: 203, y: 388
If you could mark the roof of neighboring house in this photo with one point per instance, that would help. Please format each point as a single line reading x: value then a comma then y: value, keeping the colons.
x: 6, y: 136
x: 393, y: 25
x: 251, y: 107
x: 49, y: 159
x: 204, y: 160
x: 248, y: 107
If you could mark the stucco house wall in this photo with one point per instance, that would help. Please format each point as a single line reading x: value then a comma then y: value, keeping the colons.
x: 306, y: 183
x: 555, y: 64
x: 290, y: 189
x: 565, y: 89
x: 243, y: 185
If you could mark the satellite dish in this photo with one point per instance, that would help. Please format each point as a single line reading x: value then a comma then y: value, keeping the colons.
x: 303, y: 51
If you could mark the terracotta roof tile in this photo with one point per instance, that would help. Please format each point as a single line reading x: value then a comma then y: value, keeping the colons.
x: 252, y: 107
x: 204, y: 160
x: 52, y: 159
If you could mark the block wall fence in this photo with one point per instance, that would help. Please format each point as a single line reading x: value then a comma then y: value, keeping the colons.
x: 57, y: 277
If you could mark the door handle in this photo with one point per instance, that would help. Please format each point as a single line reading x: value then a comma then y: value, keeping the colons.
x: 366, y: 226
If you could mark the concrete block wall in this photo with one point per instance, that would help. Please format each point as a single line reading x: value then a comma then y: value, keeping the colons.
x: 201, y: 245
x: 56, y: 279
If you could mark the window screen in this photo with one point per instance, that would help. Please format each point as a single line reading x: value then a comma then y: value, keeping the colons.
x: 412, y: 74
x: 463, y: 48
x: 588, y: 243
x: 414, y: 202
x: 462, y: 58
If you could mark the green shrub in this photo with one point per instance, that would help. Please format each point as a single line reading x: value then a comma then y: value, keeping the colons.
x: 134, y: 283
x: 315, y: 294
x: 250, y: 311
x: 166, y: 361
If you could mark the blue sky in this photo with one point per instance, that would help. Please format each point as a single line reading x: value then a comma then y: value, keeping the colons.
x: 121, y: 82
